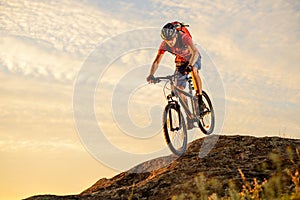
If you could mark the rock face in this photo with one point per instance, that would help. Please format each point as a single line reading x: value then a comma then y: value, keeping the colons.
x: 164, y: 177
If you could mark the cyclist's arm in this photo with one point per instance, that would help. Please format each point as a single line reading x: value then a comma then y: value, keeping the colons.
x: 195, y: 54
x: 155, y: 65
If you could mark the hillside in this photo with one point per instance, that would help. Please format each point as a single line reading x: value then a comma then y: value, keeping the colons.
x: 232, y: 164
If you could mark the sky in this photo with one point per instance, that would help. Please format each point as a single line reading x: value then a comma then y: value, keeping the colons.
x: 75, y: 106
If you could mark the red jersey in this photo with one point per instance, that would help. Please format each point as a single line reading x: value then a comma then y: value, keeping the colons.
x: 180, y: 49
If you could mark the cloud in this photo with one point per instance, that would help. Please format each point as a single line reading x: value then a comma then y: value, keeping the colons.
x: 26, y: 56
x: 252, y: 44
x: 264, y: 30
x: 66, y: 28
x: 51, y: 40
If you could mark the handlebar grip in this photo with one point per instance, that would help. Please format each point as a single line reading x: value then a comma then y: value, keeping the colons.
x: 153, y: 79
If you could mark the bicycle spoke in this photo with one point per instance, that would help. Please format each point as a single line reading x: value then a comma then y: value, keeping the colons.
x: 175, y: 132
x: 177, y: 139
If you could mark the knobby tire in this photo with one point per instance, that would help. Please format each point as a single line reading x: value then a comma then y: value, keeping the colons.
x: 210, y: 108
x: 170, y: 109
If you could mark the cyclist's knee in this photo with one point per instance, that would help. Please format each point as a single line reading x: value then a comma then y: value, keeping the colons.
x: 195, y: 71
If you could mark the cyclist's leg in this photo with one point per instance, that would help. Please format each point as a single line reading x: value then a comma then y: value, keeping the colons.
x: 181, y: 84
x: 198, y: 81
x: 196, y: 69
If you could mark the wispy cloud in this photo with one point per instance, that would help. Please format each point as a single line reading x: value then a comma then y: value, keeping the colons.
x: 43, y: 39
x: 252, y: 44
x: 26, y: 56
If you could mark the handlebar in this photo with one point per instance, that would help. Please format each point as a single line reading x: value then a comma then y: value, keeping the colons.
x: 186, y: 70
x: 159, y: 79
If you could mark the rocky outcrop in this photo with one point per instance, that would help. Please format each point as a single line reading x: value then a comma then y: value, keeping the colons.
x: 164, y: 177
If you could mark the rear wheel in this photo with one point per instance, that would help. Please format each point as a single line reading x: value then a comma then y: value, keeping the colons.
x: 207, y: 116
x: 174, y: 129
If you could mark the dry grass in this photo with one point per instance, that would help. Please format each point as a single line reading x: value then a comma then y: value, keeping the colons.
x: 253, y: 190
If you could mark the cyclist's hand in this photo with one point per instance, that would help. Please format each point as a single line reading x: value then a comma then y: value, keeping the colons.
x: 188, y: 69
x: 150, y: 79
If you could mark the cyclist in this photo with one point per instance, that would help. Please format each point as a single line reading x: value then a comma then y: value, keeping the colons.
x: 187, y: 59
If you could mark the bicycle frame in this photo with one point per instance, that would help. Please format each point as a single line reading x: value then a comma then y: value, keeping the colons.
x: 176, y: 133
x: 201, y: 112
x: 177, y: 91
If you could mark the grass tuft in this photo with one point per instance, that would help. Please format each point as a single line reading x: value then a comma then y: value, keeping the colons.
x: 272, y: 188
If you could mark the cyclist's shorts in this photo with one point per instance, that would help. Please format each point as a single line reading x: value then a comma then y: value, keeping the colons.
x: 181, y: 80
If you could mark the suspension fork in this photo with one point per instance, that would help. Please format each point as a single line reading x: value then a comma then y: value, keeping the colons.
x: 177, y: 107
x: 192, y: 97
x: 196, y: 87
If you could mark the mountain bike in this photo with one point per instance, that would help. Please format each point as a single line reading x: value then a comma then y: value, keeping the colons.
x: 175, y: 130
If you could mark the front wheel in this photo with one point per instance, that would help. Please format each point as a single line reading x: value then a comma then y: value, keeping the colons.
x: 207, y: 116
x: 174, y: 129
